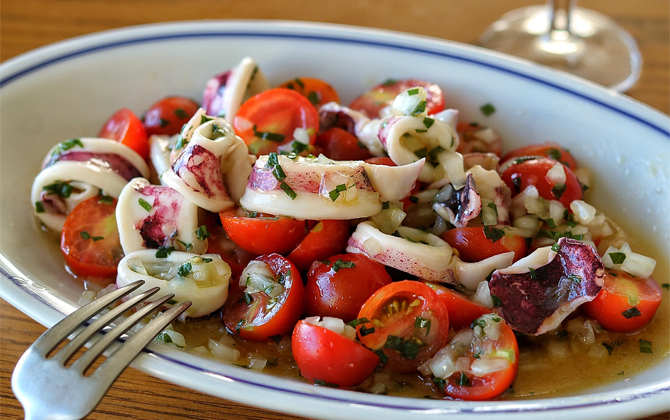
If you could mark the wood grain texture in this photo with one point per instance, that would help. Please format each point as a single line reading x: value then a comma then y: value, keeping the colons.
x: 29, y: 24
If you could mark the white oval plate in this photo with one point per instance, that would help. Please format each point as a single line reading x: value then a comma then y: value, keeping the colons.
x: 68, y: 89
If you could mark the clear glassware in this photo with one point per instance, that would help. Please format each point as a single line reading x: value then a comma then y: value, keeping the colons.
x: 565, y: 37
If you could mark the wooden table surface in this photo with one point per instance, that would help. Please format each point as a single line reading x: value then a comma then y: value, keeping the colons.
x: 28, y: 24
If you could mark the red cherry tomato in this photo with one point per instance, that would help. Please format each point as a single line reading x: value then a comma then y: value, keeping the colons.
x: 326, y: 357
x: 407, y: 321
x: 462, y: 310
x: 471, y: 142
x: 473, y: 243
x: 90, y: 240
x: 256, y: 316
x: 264, y: 234
x: 548, y: 150
x: 127, y: 129
x: 268, y: 120
x: 339, y: 144
x: 534, y: 172
x: 466, y: 385
x: 382, y: 95
x: 219, y: 243
x: 381, y: 160
x: 316, y: 90
x: 169, y: 115
x: 327, y: 237
x: 625, y: 303
x: 339, y: 286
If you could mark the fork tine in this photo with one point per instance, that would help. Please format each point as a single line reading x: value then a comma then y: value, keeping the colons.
x: 110, y: 369
x: 59, y: 332
x: 81, y: 338
x: 85, y: 360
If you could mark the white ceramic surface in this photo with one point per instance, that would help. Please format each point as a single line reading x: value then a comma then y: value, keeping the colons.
x: 68, y: 89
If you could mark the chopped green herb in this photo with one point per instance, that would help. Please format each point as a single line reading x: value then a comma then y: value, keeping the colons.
x: 617, y: 257
x: 202, y: 233
x: 575, y: 278
x: 516, y: 183
x: 487, y: 109
x: 163, y: 252
x: 356, y: 322
x: 339, y: 264
x: 533, y: 274
x: 608, y: 347
x: 479, y: 322
x: 383, y: 358
x: 206, y: 260
x: 428, y: 122
x: 562, y: 334
x: 60, y: 188
x: 67, y: 145
x: 419, y: 108
x: 335, y: 193
x: 385, y: 205
x: 554, y: 153
x: 434, y: 153
x: 248, y: 298
x: 184, y: 269
x: 666, y: 286
x: 298, y: 147
x: 239, y: 326
x: 276, y: 338
x: 204, y: 119
x: 524, y: 159
x: 463, y: 380
x: 413, y: 199
x: 556, y: 247
x: 39, y: 207
x: 422, y: 323
x: 441, y: 383
x: 164, y: 122
x: 621, y: 373
x: 421, y: 153
x: 389, y: 82
x: 218, y: 131
x: 97, y: 238
x: 558, y: 190
x: 363, y: 331
x: 420, y: 130
x: 412, y: 92
x: 313, y: 97
x: 319, y: 382
x: 146, y: 206
x: 164, y: 338
x: 407, y: 349
x: 288, y: 190
x: 85, y: 235
x: 172, y: 302
x: 493, y: 234
x: 631, y: 313
x: 299, y: 82
x: 180, y: 113
x: 645, y: 346
x: 105, y: 199
x: 551, y: 223
x: 186, y: 246
x: 278, y: 137
x: 613, y: 273
x: 493, y: 207
x: 496, y: 301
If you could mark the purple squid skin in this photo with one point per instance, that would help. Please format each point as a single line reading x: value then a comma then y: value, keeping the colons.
x: 207, y: 172
x: 212, y: 100
x: 527, y: 303
x: 166, y: 206
x: 115, y: 163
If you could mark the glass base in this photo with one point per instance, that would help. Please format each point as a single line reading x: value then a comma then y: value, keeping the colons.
x: 597, y: 48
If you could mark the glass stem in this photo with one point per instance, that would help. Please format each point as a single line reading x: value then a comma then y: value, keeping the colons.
x: 559, y: 19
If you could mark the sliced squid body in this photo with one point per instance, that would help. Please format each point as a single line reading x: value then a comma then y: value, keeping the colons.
x: 227, y: 91
x: 495, y: 196
x: 211, y: 169
x: 89, y: 166
x: 160, y: 148
x: 422, y: 254
x: 320, y: 188
x: 152, y: 216
x: 539, y: 291
x: 202, y: 279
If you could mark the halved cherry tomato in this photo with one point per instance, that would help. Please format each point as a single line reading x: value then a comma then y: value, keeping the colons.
x: 268, y: 120
x: 339, y: 144
x: 381, y: 160
x: 256, y: 316
x: 471, y: 142
x: 90, y: 240
x: 407, y: 321
x: 466, y: 385
x: 219, y: 243
x: 548, y: 150
x: 625, y: 303
x: 478, y: 243
x: 169, y: 115
x: 264, y: 234
x: 327, y: 237
x: 316, y: 90
x: 534, y: 172
x: 339, y: 286
x: 382, y: 95
x: 127, y: 129
x: 462, y: 310
x: 326, y: 357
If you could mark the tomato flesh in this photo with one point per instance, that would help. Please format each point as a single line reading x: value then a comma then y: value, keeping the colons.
x: 168, y: 116
x: 382, y: 95
x: 534, y: 172
x: 127, y: 129
x: 269, y: 119
x: 473, y: 244
x: 549, y: 150
x: 264, y: 235
x: 462, y: 310
x: 90, y: 240
x: 625, y: 304
x: 329, y: 358
x: 339, y: 286
x: 317, y: 91
x: 327, y: 237
x: 407, y: 321
x: 339, y: 144
x: 257, y: 317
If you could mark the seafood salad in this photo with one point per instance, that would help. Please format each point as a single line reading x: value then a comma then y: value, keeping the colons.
x: 386, y: 246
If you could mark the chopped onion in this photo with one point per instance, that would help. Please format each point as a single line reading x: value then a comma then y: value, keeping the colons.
x: 453, y: 166
x: 406, y: 102
x: 202, y: 351
x: 257, y: 362
x: 583, y: 212
x: 556, y: 174
x: 635, y: 264
x: 223, y: 351
x: 486, y: 366
x: 483, y: 294
x: 556, y: 211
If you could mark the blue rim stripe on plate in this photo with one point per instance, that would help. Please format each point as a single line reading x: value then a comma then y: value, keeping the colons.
x: 231, y: 34
x: 235, y: 34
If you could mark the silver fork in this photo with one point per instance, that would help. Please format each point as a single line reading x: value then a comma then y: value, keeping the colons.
x: 48, y: 389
